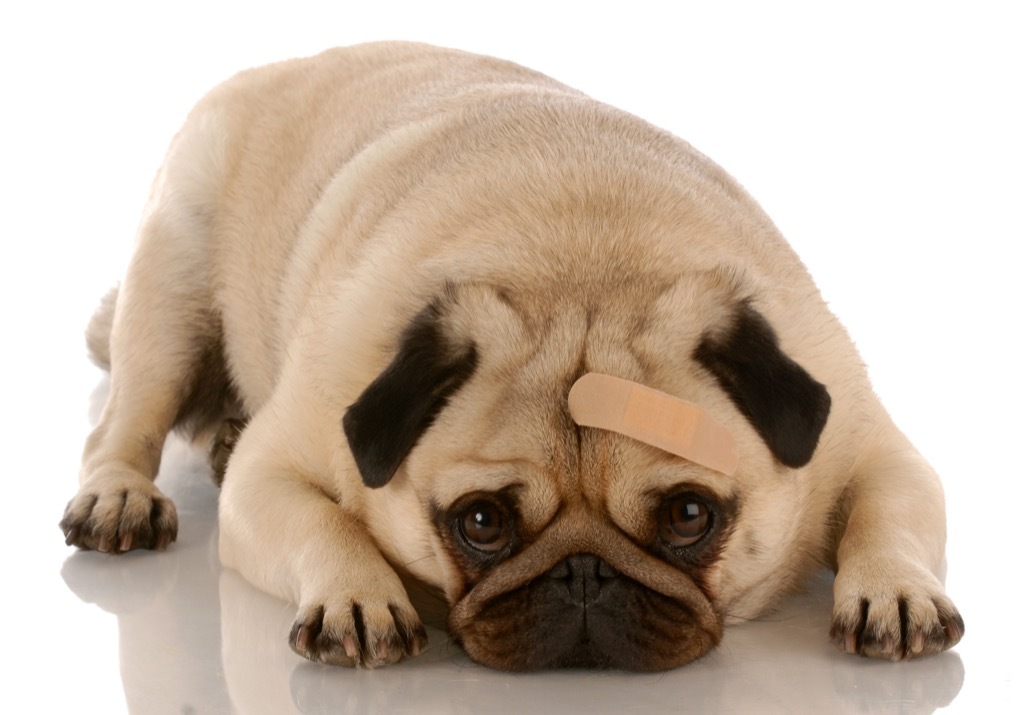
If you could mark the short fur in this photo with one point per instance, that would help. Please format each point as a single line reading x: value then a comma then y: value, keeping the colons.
x: 431, y: 247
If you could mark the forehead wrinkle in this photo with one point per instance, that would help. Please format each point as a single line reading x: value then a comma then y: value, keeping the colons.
x: 609, y: 347
x: 476, y: 460
x: 667, y: 471
x: 623, y: 317
x: 591, y: 480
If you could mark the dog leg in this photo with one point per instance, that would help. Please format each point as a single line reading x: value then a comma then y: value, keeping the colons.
x: 889, y: 600
x: 160, y: 332
x: 283, y: 528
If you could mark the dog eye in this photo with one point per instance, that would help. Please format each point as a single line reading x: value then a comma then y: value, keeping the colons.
x: 683, y: 520
x: 484, y: 527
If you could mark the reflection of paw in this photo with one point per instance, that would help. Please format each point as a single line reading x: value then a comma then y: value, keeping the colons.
x: 120, y: 512
x: 367, y: 633
x: 921, y: 687
x: 892, y: 610
x: 124, y: 585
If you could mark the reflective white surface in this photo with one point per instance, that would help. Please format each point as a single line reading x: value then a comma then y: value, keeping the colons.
x: 195, y: 638
x: 884, y: 139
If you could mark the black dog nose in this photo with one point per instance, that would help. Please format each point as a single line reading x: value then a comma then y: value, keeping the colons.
x: 584, y: 575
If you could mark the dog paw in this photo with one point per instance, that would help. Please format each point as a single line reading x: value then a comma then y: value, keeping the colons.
x: 118, y: 515
x: 223, y: 445
x: 367, y: 633
x: 892, y: 611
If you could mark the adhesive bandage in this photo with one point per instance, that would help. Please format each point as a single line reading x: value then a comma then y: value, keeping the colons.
x: 655, y: 418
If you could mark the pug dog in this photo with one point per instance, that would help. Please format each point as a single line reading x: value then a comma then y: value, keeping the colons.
x: 367, y: 281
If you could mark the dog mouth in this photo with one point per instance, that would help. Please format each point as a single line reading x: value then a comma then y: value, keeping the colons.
x: 584, y: 614
x: 585, y: 598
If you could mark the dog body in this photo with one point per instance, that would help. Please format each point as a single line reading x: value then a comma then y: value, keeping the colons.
x: 391, y: 263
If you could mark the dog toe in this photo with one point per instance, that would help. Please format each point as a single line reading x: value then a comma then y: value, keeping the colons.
x: 358, y: 634
x: 120, y: 519
x: 894, y: 621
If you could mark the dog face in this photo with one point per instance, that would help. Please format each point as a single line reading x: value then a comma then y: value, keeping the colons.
x: 559, y: 545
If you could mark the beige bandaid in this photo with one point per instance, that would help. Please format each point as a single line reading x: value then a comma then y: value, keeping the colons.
x: 655, y: 418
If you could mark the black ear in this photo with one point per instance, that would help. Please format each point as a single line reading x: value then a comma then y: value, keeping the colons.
x: 389, y: 417
x: 786, y: 406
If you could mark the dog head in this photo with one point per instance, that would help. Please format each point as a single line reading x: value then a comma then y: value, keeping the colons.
x: 565, y: 546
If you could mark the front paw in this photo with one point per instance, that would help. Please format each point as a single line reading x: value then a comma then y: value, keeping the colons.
x: 359, y: 632
x: 892, y: 611
x: 118, y: 513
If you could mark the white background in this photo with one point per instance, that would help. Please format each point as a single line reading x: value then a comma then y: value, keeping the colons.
x: 885, y: 139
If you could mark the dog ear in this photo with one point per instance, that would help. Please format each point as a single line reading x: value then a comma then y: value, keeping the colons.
x: 786, y: 406
x: 387, y: 420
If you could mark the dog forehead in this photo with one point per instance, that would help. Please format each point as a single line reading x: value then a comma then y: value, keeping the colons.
x: 510, y: 424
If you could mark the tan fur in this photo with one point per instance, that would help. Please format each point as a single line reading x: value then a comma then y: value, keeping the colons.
x: 307, y: 211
